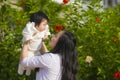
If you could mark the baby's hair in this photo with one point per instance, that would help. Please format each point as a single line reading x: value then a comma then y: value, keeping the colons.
x: 38, y: 17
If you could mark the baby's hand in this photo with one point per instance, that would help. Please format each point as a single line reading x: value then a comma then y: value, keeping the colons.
x: 45, y: 37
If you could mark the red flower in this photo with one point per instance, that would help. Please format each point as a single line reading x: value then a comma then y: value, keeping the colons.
x: 97, y: 19
x: 65, y: 1
x: 22, y: 3
x: 115, y: 39
x: 58, y: 28
x: 117, y: 75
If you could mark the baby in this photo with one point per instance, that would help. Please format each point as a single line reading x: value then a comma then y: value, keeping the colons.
x: 35, y: 32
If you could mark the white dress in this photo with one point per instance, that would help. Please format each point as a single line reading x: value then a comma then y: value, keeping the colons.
x: 30, y: 32
x: 50, y: 66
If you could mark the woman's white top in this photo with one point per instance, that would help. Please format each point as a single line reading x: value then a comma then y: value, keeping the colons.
x: 28, y: 34
x: 49, y: 64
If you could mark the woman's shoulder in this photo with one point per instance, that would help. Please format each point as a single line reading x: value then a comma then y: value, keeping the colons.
x: 51, y: 58
x: 48, y: 54
x: 51, y: 55
x: 47, y: 58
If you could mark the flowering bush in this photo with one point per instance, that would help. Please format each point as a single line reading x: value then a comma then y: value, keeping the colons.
x: 98, y: 34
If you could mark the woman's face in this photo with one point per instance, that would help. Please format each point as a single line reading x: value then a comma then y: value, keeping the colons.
x: 42, y: 25
x: 54, y: 39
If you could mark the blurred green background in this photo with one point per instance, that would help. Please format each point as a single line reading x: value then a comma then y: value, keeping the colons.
x: 97, y: 29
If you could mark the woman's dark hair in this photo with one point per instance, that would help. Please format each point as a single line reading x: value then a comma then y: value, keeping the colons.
x: 66, y: 47
x: 37, y: 17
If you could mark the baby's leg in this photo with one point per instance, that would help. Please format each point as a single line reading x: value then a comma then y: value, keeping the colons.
x: 20, y: 69
x: 28, y: 70
x: 34, y: 53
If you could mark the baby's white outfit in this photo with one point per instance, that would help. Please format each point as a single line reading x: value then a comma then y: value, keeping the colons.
x: 31, y: 33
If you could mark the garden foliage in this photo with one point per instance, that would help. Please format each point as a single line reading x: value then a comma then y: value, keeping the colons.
x: 97, y: 31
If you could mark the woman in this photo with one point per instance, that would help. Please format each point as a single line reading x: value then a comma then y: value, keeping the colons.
x: 60, y: 63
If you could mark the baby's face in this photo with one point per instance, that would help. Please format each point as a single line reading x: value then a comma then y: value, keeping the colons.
x: 42, y: 25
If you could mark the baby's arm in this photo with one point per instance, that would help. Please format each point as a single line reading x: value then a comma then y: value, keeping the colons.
x: 28, y: 32
x: 30, y: 40
x: 47, y: 32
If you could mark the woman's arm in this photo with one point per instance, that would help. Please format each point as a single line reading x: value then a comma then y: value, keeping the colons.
x: 43, y: 48
x: 24, y: 52
x: 35, y: 61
